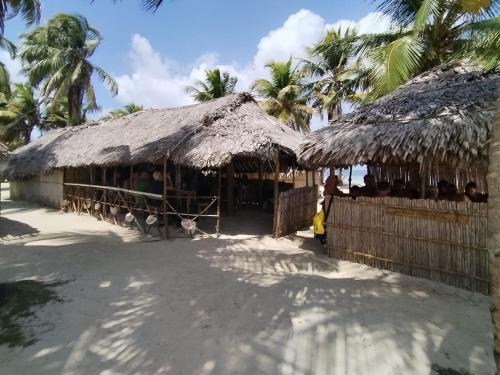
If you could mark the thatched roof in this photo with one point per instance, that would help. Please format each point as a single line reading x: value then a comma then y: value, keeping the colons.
x: 4, y: 150
x: 205, y: 135
x: 443, y: 116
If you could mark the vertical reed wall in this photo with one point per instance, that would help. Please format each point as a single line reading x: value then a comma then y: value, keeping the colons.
x: 437, y: 240
x: 296, y: 210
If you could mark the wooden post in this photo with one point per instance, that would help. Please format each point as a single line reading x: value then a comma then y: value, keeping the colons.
x: 293, y: 178
x: 313, y: 177
x: 217, y: 226
x: 423, y: 179
x: 105, y: 192
x: 276, y: 197
x: 165, y: 206
x: 260, y: 188
x: 178, y: 186
x: 230, y: 188
x: 307, y: 177
x: 350, y: 177
x: 114, y: 177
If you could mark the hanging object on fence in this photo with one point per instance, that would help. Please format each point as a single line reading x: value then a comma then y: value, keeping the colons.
x: 129, y: 217
x: 87, y: 203
x: 113, y: 210
x: 97, y: 206
x: 189, y: 225
x: 151, y: 219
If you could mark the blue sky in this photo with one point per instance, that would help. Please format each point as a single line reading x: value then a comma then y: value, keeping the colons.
x: 154, y: 55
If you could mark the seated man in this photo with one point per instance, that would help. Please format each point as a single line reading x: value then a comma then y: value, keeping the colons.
x: 398, y: 189
x: 442, y: 190
x: 370, y: 188
x: 331, y: 187
x: 471, y: 192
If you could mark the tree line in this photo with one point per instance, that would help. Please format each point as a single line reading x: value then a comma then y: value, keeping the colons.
x: 343, y: 67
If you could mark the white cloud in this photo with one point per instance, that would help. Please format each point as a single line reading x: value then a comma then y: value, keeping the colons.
x: 372, y: 23
x: 13, y: 66
x: 159, y: 81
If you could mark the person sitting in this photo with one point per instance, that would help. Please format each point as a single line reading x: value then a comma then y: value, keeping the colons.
x: 354, y: 191
x: 471, y: 192
x: 452, y: 194
x: 442, y: 186
x: 370, y: 188
x: 411, y: 190
x: 383, y: 189
x: 157, y: 183
x: 398, y: 189
x: 331, y: 187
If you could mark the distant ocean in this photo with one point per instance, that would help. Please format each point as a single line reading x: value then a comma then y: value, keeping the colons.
x: 358, y: 172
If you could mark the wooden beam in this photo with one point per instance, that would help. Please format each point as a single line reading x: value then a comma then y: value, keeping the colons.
x: 313, y: 177
x: 293, y: 177
x: 105, y: 193
x: 260, y: 187
x: 230, y: 188
x: 219, y: 186
x: 165, y: 206
x: 276, y: 196
x: 307, y: 177
x: 423, y: 179
x: 350, y: 177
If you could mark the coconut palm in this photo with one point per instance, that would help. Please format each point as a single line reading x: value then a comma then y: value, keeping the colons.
x: 20, y: 115
x: 56, y: 58
x: 428, y: 33
x: 126, y: 110
x: 215, y: 85
x: 284, y: 95
x: 30, y: 10
x: 337, y: 74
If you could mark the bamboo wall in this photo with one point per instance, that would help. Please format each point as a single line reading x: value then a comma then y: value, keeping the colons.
x: 437, y: 240
x: 295, y: 210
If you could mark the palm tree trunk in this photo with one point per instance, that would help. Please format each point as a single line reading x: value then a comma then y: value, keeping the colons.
x: 494, y: 234
x: 75, y: 98
x: 27, y: 134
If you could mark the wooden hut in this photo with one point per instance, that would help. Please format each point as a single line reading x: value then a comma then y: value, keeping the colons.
x: 437, y: 126
x: 213, y: 141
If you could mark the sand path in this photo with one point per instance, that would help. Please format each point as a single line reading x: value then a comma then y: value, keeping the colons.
x: 237, y: 305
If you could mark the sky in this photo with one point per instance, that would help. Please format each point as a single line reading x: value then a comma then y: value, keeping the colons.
x: 153, y: 56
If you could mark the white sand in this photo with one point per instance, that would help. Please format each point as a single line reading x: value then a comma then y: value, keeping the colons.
x: 247, y: 305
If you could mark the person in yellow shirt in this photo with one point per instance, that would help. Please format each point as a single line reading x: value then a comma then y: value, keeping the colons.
x: 319, y: 224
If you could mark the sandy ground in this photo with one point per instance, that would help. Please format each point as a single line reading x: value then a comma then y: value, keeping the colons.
x: 244, y: 304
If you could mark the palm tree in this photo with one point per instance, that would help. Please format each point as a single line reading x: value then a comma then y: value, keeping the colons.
x: 429, y: 33
x: 126, y: 110
x: 30, y: 10
x: 285, y: 96
x: 337, y: 74
x: 20, y: 115
x: 216, y: 85
x: 56, y: 58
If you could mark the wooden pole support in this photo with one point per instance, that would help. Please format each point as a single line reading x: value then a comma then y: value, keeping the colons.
x: 276, y: 196
x: 219, y: 184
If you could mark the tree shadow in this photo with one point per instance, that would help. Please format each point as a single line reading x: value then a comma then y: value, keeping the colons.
x: 15, y: 229
x: 239, y: 306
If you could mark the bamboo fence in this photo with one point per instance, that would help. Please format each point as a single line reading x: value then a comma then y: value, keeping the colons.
x: 437, y: 240
x: 295, y: 210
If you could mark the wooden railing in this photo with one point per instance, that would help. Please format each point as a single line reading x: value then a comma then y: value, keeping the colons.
x: 116, y: 204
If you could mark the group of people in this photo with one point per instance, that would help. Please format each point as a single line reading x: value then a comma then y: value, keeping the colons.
x: 445, y: 191
x: 400, y: 189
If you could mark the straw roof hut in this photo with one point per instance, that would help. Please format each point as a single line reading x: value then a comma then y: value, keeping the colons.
x: 442, y: 117
x: 206, y: 135
x: 4, y: 150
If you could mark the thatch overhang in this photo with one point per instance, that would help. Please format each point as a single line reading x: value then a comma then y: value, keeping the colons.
x: 443, y: 116
x: 4, y: 151
x: 203, y: 136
